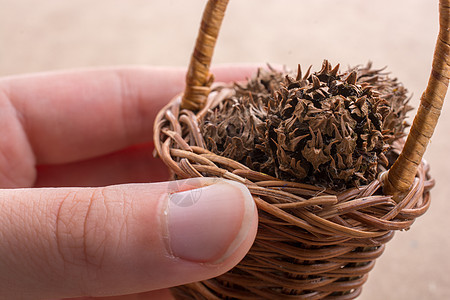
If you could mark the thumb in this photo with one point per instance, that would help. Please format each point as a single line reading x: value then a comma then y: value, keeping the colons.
x: 70, y: 242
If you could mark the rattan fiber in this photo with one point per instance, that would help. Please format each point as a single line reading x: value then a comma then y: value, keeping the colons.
x: 312, y: 242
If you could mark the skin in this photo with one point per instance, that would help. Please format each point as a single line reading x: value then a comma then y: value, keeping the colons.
x: 83, y: 128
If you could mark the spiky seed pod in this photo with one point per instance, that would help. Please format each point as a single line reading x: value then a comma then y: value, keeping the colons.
x: 324, y: 128
x: 236, y: 128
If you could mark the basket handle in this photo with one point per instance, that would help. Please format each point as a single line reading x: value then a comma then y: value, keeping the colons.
x: 401, y: 175
x: 198, y: 78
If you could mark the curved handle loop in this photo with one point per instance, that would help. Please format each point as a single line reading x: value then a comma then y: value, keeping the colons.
x: 198, y: 78
x: 401, y: 175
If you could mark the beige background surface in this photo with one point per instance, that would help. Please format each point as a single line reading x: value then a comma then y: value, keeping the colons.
x: 54, y: 34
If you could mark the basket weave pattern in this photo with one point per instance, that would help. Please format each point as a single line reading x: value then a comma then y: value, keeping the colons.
x: 312, y: 242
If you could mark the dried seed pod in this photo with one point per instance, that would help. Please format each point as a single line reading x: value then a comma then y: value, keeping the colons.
x: 325, y: 128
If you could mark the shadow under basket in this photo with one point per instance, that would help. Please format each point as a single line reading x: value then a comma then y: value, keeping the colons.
x: 312, y: 242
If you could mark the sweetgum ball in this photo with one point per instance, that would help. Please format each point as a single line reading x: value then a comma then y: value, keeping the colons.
x: 324, y: 128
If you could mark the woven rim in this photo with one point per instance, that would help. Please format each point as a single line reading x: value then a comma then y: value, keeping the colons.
x: 180, y: 145
x: 401, y: 176
x: 312, y: 242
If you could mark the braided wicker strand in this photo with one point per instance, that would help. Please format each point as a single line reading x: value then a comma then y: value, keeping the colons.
x: 198, y: 78
x: 402, y: 173
x: 401, y: 176
x: 312, y: 243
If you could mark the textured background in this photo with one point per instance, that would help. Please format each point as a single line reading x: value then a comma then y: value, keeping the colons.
x: 52, y: 34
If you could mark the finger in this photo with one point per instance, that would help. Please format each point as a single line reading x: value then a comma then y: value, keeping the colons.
x: 121, y: 239
x: 71, y: 116
x: 132, y: 165
x: 163, y: 294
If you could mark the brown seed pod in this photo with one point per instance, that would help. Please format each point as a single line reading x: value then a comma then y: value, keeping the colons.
x: 325, y: 128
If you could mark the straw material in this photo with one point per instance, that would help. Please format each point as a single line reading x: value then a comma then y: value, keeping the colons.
x: 401, y: 175
x: 312, y: 242
x: 198, y: 78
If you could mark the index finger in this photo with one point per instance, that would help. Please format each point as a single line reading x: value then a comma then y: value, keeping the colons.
x: 76, y: 115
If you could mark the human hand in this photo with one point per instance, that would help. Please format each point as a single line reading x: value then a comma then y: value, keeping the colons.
x: 90, y: 128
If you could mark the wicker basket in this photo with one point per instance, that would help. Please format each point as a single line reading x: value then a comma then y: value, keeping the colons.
x: 322, y: 247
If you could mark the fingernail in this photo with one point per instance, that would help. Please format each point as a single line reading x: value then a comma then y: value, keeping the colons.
x: 208, y: 224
